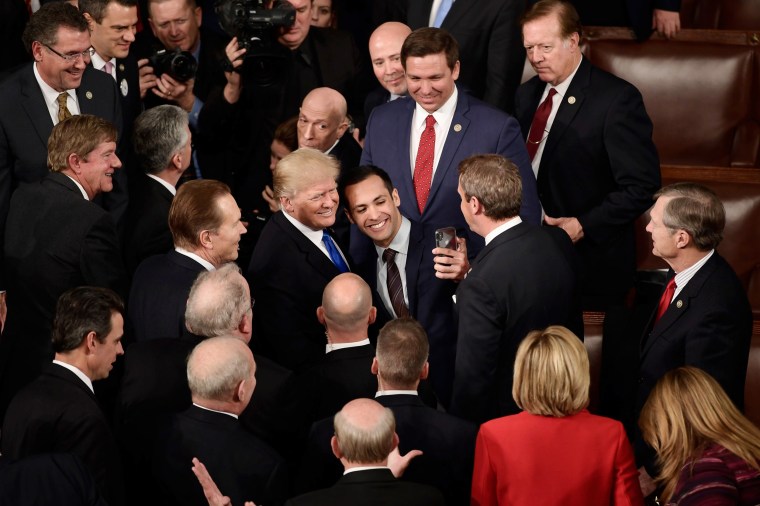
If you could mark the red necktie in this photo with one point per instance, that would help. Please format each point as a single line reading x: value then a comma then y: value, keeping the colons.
x: 537, y: 127
x: 423, y: 164
x: 667, y: 296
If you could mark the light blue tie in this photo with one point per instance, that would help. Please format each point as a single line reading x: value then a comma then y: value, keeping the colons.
x: 443, y: 9
x: 332, y: 250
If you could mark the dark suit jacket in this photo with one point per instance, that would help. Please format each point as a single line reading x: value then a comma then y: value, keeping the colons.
x: 241, y: 465
x: 58, y: 413
x: 373, y: 487
x: 25, y: 127
x: 599, y: 165
x: 490, y: 45
x: 146, y: 225
x: 55, y: 240
x: 430, y: 303
x: 378, y: 96
x: 709, y: 325
x: 54, y: 478
x: 520, y: 282
x: 340, y: 376
x: 448, y: 446
x: 159, y: 293
x: 476, y: 128
x: 347, y: 151
x: 288, y: 274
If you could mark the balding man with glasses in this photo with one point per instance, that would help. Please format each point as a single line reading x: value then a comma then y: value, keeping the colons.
x: 58, y: 84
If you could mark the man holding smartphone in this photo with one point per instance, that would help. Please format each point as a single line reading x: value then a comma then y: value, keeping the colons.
x: 400, y: 266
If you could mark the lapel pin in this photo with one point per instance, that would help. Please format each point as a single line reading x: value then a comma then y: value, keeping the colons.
x: 679, y: 304
x: 121, y: 67
x: 88, y: 95
x: 124, y: 87
x: 457, y: 127
x: 571, y: 100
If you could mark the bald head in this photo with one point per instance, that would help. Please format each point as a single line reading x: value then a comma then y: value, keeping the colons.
x: 385, y: 52
x: 322, y: 119
x: 365, y: 433
x: 346, y: 308
x: 220, y: 373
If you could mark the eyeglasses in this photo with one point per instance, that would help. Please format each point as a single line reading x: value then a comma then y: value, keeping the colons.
x: 87, y: 53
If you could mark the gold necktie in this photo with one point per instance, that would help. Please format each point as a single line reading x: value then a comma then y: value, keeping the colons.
x: 63, y: 111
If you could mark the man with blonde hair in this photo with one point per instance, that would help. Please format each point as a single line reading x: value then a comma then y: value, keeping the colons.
x: 522, y: 280
x: 365, y: 434
x: 295, y: 258
x: 57, y: 238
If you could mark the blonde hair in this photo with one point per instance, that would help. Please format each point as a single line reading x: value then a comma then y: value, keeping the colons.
x: 80, y: 134
x: 551, y: 374
x: 688, y: 410
x: 302, y: 169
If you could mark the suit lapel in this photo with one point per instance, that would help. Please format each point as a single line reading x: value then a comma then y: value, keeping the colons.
x: 680, y: 305
x: 312, y: 253
x: 456, y: 14
x: 33, y: 103
x: 567, y: 111
x: 457, y: 131
x: 413, y: 261
x: 406, y: 188
x: 418, y: 13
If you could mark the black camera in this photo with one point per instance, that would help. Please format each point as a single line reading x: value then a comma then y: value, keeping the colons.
x: 180, y: 65
x: 253, y: 24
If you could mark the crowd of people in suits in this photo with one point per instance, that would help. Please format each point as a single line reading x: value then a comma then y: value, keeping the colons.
x: 225, y: 270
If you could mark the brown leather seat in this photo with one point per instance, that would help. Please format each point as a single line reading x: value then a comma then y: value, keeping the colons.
x: 721, y: 14
x: 702, y: 96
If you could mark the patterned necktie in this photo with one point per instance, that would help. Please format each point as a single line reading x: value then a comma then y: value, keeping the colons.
x: 332, y: 250
x: 63, y: 110
x: 423, y: 164
x: 395, y: 287
x: 667, y: 296
x: 538, y: 125
x: 443, y: 9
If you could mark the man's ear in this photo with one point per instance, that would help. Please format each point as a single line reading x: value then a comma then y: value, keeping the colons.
x: 342, y: 127
x: 204, y: 238
x: 372, y: 315
x: 425, y: 371
x: 335, y: 447
x: 321, y: 315
x: 374, y: 367
x: 91, y: 341
x: 176, y: 160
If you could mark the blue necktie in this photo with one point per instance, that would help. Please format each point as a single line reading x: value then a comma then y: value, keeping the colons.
x: 443, y: 9
x: 332, y: 250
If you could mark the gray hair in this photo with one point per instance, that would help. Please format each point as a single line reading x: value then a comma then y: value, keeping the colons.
x: 216, y: 367
x: 159, y: 133
x: 217, y: 302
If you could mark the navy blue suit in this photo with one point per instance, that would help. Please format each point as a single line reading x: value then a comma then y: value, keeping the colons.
x: 430, y: 303
x: 476, y: 128
x: 159, y: 295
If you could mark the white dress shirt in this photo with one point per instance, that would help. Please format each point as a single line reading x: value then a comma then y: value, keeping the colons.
x: 443, y: 118
x: 51, y: 97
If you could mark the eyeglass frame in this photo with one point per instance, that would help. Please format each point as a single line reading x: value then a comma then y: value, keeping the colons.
x: 72, y: 58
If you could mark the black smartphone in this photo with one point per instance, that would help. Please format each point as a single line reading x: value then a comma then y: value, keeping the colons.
x: 446, y: 238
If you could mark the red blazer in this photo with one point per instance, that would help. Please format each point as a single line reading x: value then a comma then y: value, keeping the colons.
x: 582, y: 460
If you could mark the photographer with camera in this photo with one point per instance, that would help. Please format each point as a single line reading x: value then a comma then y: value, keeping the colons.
x: 274, y: 64
x: 186, y: 68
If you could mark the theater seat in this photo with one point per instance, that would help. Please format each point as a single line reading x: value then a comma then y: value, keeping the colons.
x: 721, y: 14
x: 701, y: 95
x: 752, y: 384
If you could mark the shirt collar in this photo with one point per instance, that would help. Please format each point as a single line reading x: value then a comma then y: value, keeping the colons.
x: 381, y: 393
x: 564, y: 85
x: 98, y: 63
x: 205, y: 263
x: 233, y: 415
x: 314, y: 235
x: 341, y: 346
x: 82, y: 376
x: 333, y: 146
x: 502, y: 228
x: 163, y: 183
x: 50, y: 95
x: 81, y: 188
x: 362, y: 468
x: 442, y: 115
x: 400, y: 243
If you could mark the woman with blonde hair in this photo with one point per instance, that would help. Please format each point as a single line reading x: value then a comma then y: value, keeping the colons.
x: 708, y: 452
x: 555, y: 451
